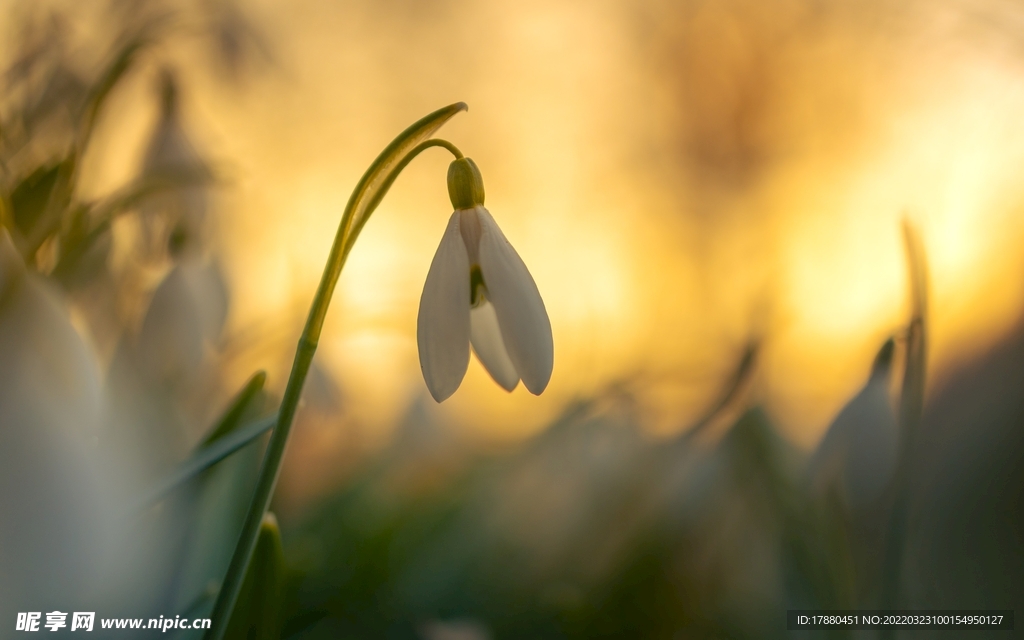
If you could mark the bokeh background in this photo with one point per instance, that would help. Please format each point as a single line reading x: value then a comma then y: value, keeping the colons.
x: 711, y: 197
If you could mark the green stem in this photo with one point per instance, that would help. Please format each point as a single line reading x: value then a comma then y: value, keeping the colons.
x: 365, y: 197
x: 399, y: 168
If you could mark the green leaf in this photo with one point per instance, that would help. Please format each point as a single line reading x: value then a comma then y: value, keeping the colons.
x: 911, y: 408
x: 112, y: 74
x: 30, y: 196
x: 47, y: 221
x: 232, y: 418
x: 206, y: 458
x: 79, y: 240
x: 381, y: 174
x: 257, y: 614
x: 912, y: 394
x: 732, y: 390
x: 225, y: 438
x: 39, y: 202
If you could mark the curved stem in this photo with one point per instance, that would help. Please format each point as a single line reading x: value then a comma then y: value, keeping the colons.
x: 365, y: 198
x: 435, y: 142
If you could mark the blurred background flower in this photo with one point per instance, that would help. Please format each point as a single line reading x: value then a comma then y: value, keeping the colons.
x: 51, y: 493
x: 685, y: 180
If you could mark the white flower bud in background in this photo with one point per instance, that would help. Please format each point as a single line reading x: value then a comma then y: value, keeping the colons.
x: 171, y: 155
x: 188, y: 309
x: 52, y: 507
x: 860, y: 448
x: 185, y: 316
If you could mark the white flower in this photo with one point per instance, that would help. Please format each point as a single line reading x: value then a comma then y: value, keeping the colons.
x: 52, y: 500
x: 177, y: 214
x: 187, y: 313
x: 859, y: 450
x: 479, y: 292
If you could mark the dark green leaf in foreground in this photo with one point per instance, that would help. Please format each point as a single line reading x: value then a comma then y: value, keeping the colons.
x: 225, y: 438
x: 257, y: 612
x: 232, y: 417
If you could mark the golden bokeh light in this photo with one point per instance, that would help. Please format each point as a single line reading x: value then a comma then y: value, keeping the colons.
x: 679, y: 181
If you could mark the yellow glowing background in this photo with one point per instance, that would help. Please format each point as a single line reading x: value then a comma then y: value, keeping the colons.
x: 679, y: 177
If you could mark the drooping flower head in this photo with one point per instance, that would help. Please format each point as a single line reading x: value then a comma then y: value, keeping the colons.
x: 479, y: 292
x: 174, y: 217
x: 859, y: 452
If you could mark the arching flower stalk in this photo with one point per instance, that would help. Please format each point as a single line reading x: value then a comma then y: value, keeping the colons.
x: 512, y: 338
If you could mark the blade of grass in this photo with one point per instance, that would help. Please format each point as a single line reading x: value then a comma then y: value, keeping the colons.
x: 223, y: 439
x: 232, y: 417
x: 61, y: 194
x: 104, y: 213
x: 911, y: 407
x: 112, y: 74
x: 737, y: 382
x: 206, y: 458
x: 356, y: 212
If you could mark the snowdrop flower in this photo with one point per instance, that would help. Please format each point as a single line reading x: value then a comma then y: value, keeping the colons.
x: 479, y: 292
x: 859, y: 450
x: 52, y: 500
x: 170, y: 154
x: 186, y: 314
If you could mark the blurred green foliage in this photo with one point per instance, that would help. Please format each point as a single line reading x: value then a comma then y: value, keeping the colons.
x: 589, y: 530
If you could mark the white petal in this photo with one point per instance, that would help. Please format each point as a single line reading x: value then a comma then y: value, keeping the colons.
x: 171, y: 339
x: 442, y: 329
x: 524, y: 322
x: 209, y: 293
x: 873, y: 444
x: 55, y: 523
x: 858, y: 452
x: 485, y: 335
